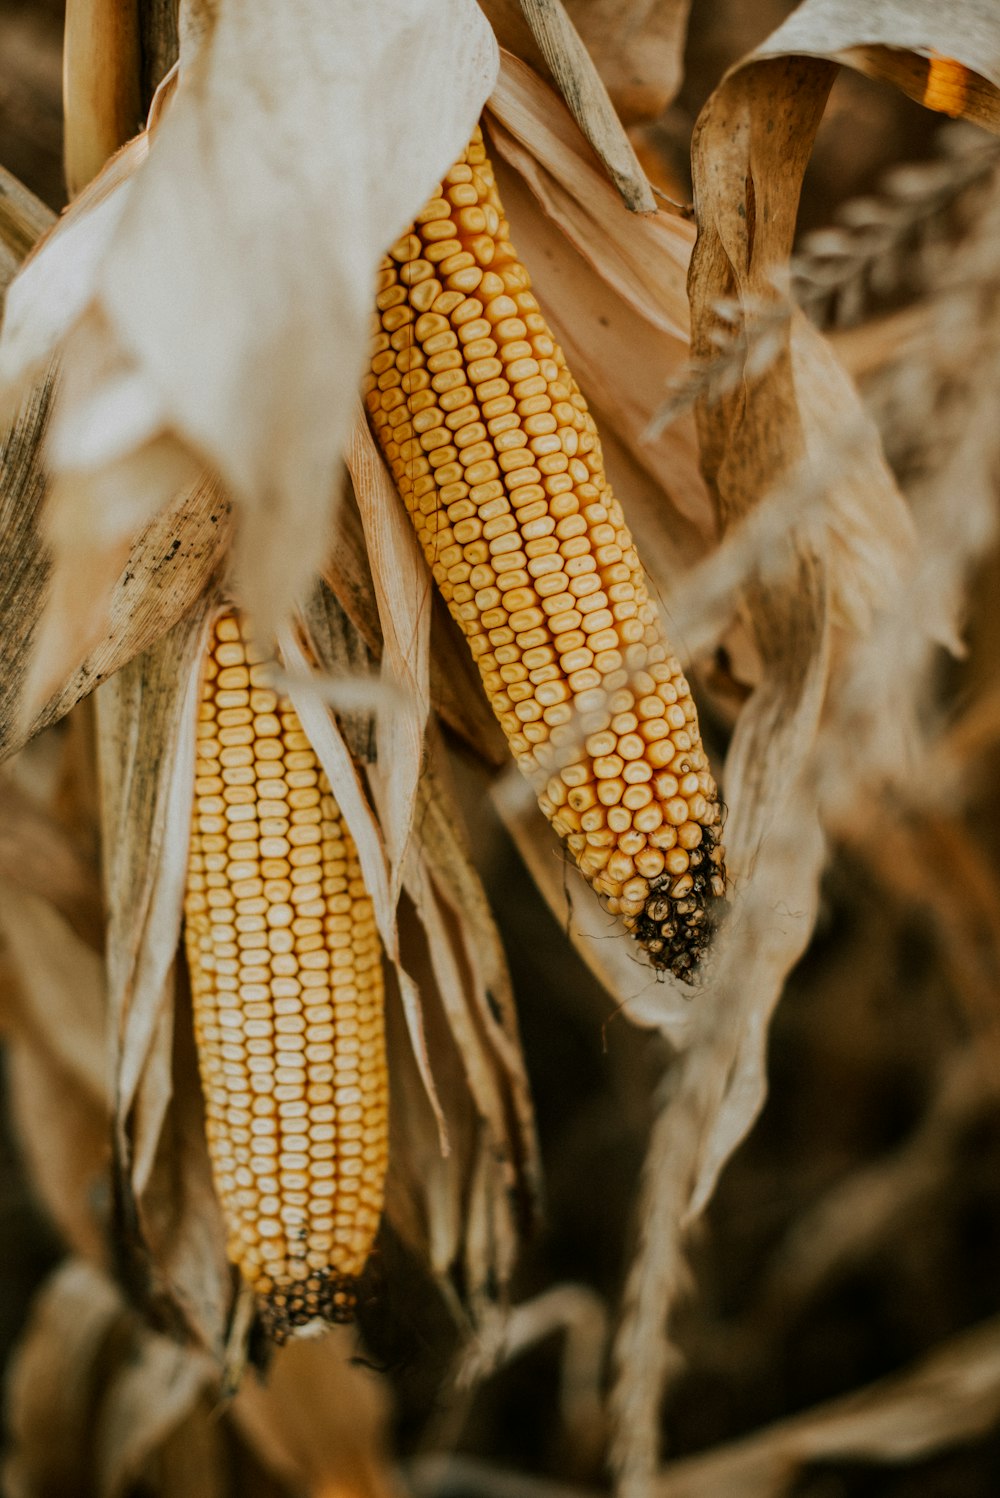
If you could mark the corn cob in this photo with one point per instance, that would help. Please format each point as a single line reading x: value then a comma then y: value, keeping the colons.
x: 287, y: 992
x: 499, y: 464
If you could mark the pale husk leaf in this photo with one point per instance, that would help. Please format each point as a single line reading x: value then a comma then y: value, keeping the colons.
x: 645, y: 260
x: 68, y: 627
x: 168, y: 1225
x: 467, y: 968
x: 280, y: 113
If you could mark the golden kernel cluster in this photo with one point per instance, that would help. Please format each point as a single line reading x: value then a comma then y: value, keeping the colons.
x: 287, y: 990
x: 499, y: 464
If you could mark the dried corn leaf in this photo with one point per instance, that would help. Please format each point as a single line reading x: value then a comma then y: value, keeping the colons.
x: 53, y: 290
x: 750, y: 150
x: 577, y: 76
x: 438, y: 1204
x: 448, y: 864
x: 146, y: 718
x: 279, y: 113
x: 467, y: 974
x: 92, y: 1394
x: 636, y: 45
x: 345, y: 655
x: 39, y: 857
x: 945, y: 57
x: 179, y: 1266
x: 146, y: 723
x: 425, y: 1188
x: 51, y: 1383
x: 597, y: 936
x: 148, y: 1396
x: 403, y: 591
x: 349, y: 793
x: 455, y: 689
x: 465, y: 967
x: 106, y: 606
x: 57, y: 1066
x: 775, y: 426
x: 952, y: 1396
x: 320, y: 1419
x: 23, y: 220
x: 644, y: 260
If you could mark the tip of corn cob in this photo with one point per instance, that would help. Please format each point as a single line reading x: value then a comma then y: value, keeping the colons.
x: 320, y: 1298
x: 679, y: 917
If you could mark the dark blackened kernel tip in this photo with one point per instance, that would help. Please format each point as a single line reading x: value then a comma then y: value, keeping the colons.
x: 676, y: 933
x: 321, y: 1296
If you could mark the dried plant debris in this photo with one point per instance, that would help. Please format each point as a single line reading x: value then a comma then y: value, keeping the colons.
x: 750, y: 150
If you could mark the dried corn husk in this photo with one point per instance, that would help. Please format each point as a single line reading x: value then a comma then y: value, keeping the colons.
x: 266, y: 128
x: 845, y: 558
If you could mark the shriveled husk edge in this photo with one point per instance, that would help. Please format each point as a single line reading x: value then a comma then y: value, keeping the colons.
x: 146, y: 725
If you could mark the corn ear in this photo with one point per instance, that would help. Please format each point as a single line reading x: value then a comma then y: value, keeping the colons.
x: 287, y: 992
x: 499, y: 464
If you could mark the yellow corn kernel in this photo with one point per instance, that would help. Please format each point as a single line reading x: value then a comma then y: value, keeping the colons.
x: 499, y: 464
x: 287, y: 992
